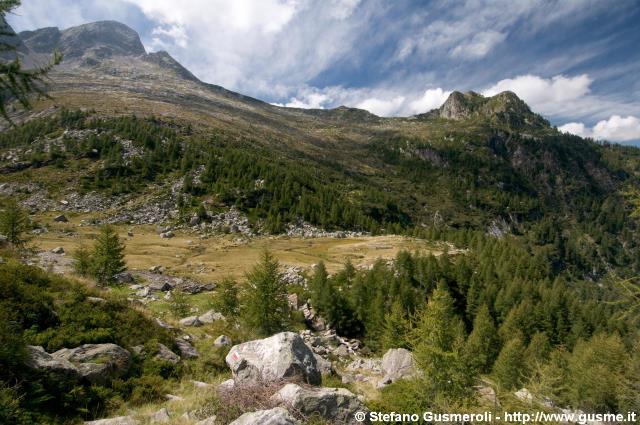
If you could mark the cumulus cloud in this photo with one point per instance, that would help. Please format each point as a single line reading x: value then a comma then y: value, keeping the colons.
x: 615, y: 129
x: 432, y: 99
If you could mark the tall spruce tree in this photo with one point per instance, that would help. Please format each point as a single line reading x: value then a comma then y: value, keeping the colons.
x: 14, y: 222
x: 264, y: 307
x: 108, y: 256
x: 480, y: 348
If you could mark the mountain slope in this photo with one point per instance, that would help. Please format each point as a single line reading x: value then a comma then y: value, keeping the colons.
x: 489, y: 164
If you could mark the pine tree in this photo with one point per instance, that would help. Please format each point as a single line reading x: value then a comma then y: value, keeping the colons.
x: 225, y: 300
x: 438, y: 339
x: 510, y: 363
x: 108, y: 256
x: 14, y: 222
x: 264, y: 303
x: 395, y: 328
x: 480, y: 348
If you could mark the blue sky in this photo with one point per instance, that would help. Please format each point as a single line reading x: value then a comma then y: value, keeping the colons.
x: 576, y: 62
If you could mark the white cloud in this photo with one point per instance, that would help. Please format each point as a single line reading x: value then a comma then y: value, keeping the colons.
x: 479, y: 45
x: 615, y: 129
x: 432, y: 99
x: 382, y: 107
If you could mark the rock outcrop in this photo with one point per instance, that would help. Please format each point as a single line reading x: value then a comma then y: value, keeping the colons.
x: 41, y: 360
x: 97, y: 363
x: 284, y: 355
x: 276, y: 416
x: 120, y: 420
x: 335, y: 404
x: 187, y: 351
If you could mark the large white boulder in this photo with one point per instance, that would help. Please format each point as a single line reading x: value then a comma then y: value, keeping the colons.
x: 284, y: 355
x: 397, y: 363
x: 336, y: 404
x: 277, y: 416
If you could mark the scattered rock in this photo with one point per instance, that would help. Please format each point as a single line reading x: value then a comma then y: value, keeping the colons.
x: 397, y: 363
x: 167, y: 235
x: 157, y: 269
x: 488, y: 394
x: 160, y: 286
x: 324, y: 366
x: 191, y: 321
x: 162, y: 416
x: 209, y: 421
x: 187, y: 351
x: 226, y: 385
x: 211, y: 316
x: 276, y: 416
x: 125, y: 277
x: 335, y: 404
x: 199, y: 384
x: 342, y: 351
x: 165, y: 354
x: 120, y: 420
x: 172, y: 397
x: 222, y: 341
x: 144, y: 292
x: 114, y: 361
x: 58, y: 250
x: 60, y: 219
x: 524, y: 395
x: 96, y: 300
x: 163, y: 324
x: 41, y: 360
x: 284, y: 355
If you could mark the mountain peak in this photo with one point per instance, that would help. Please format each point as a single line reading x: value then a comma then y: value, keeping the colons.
x: 504, y: 107
x: 97, y: 39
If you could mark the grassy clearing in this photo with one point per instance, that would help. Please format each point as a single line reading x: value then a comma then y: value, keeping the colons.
x: 215, y: 258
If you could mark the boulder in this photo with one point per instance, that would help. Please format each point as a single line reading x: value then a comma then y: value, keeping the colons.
x: 324, y: 366
x: 58, y: 250
x: 156, y: 269
x: 191, y: 321
x: 120, y: 420
x: 276, y: 416
x: 101, y: 362
x: 335, y: 404
x: 284, y: 355
x: 211, y: 420
x: 210, y: 317
x: 222, y: 341
x: 163, y: 324
x: 397, y: 363
x: 187, y: 351
x: 144, y: 292
x: 167, y: 355
x: 342, y: 351
x: 41, y: 360
x: 162, y: 416
x: 160, y: 286
x: 167, y: 235
x: 60, y: 219
x: 524, y: 395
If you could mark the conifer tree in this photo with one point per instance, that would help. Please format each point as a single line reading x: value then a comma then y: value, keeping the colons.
x: 14, y: 222
x: 395, y: 328
x: 108, y: 256
x: 438, y: 340
x: 265, y: 309
x: 510, y: 363
x: 480, y: 348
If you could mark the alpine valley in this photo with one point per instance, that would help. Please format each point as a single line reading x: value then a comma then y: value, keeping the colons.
x: 191, y: 255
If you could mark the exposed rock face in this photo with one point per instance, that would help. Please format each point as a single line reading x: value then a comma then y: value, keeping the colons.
x: 504, y: 107
x: 120, y: 420
x: 336, y: 404
x: 98, y: 362
x: 187, y: 351
x: 41, y: 360
x: 284, y: 355
x: 397, y: 363
x: 277, y: 416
